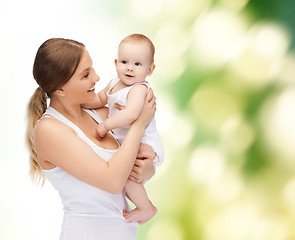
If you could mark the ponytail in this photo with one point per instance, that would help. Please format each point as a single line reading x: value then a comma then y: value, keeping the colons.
x: 35, y: 109
x: 55, y: 63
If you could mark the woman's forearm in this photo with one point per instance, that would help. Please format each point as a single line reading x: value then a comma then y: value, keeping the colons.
x: 121, y: 164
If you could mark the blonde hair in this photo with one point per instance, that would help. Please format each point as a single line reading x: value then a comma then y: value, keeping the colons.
x: 140, y: 38
x: 35, y: 109
x: 56, y: 61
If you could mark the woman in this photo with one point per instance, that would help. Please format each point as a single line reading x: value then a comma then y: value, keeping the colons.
x: 89, y: 173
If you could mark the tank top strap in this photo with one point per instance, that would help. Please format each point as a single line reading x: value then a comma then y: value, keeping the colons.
x: 126, y: 90
x: 114, y: 81
x: 51, y: 112
x: 94, y: 115
x: 102, y: 152
x: 146, y: 83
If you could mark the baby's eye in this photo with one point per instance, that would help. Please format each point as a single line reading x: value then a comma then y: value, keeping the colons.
x: 124, y: 61
x: 137, y: 64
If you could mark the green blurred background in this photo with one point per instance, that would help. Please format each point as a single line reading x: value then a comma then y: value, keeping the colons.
x: 224, y: 81
x: 230, y: 143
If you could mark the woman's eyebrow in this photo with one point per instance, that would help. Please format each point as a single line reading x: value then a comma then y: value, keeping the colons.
x: 85, y: 70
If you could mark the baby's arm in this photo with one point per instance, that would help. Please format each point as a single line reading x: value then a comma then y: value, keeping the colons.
x: 130, y: 113
x: 100, y: 100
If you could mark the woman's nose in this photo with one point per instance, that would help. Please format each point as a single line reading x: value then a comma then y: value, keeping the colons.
x: 96, y: 77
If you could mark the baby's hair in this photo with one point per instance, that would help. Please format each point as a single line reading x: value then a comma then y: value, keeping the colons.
x: 140, y: 38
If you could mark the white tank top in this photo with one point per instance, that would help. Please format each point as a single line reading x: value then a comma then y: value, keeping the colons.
x: 89, y: 212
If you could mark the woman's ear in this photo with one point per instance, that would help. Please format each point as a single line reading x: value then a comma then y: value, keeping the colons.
x: 151, y: 69
x: 60, y: 92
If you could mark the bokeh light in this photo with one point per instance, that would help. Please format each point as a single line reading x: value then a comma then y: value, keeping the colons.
x: 215, y: 34
x: 261, y: 52
x: 207, y: 165
x: 279, y: 125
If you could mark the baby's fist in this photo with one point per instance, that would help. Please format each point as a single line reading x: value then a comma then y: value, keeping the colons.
x: 101, y: 130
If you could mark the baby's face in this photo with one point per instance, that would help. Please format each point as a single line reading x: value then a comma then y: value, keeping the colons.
x: 134, y: 62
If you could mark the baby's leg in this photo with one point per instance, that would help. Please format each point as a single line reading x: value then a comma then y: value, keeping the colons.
x: 144, y: 210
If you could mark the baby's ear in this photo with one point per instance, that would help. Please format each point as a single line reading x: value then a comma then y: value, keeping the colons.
x: 151, y: 69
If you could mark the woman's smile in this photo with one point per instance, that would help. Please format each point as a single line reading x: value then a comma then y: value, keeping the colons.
x: 91, y: 89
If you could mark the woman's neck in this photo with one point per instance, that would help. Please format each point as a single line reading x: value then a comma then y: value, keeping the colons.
x: 73, y: 112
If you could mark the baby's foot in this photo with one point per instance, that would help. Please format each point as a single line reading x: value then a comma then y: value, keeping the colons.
x: 140, y: 215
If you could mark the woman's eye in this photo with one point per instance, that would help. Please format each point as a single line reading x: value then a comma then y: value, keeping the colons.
x: 86, y: 75
x: 124, y: 62
x: 137, y: 64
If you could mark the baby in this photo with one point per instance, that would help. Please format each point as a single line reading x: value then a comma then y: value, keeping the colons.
x: 135, y: 61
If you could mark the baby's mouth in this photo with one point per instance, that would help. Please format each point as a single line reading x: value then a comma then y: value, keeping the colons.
x: 128, y: 75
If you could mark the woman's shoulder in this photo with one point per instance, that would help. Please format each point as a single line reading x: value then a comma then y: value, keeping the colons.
x: 47, y: 125
x: 103, y: 112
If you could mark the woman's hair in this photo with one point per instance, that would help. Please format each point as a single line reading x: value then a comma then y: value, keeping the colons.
x: 55, y: 63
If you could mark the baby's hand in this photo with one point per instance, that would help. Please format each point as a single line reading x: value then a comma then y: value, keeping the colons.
x: 101, y: 130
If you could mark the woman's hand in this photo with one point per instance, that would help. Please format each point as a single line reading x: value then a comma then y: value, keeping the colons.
x: 143, y: 168
x: 148, y: 110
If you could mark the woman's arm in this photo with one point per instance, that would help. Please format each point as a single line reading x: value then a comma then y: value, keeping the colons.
x: 144, y: 167
x: 59, y: 145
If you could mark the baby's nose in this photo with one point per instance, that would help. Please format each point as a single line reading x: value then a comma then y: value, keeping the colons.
x: 130, y: 68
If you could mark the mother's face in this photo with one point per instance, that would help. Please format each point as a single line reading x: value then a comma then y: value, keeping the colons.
x: 80, y: 88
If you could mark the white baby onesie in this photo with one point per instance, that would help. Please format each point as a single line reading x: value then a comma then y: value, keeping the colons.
x: 151, y: 136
